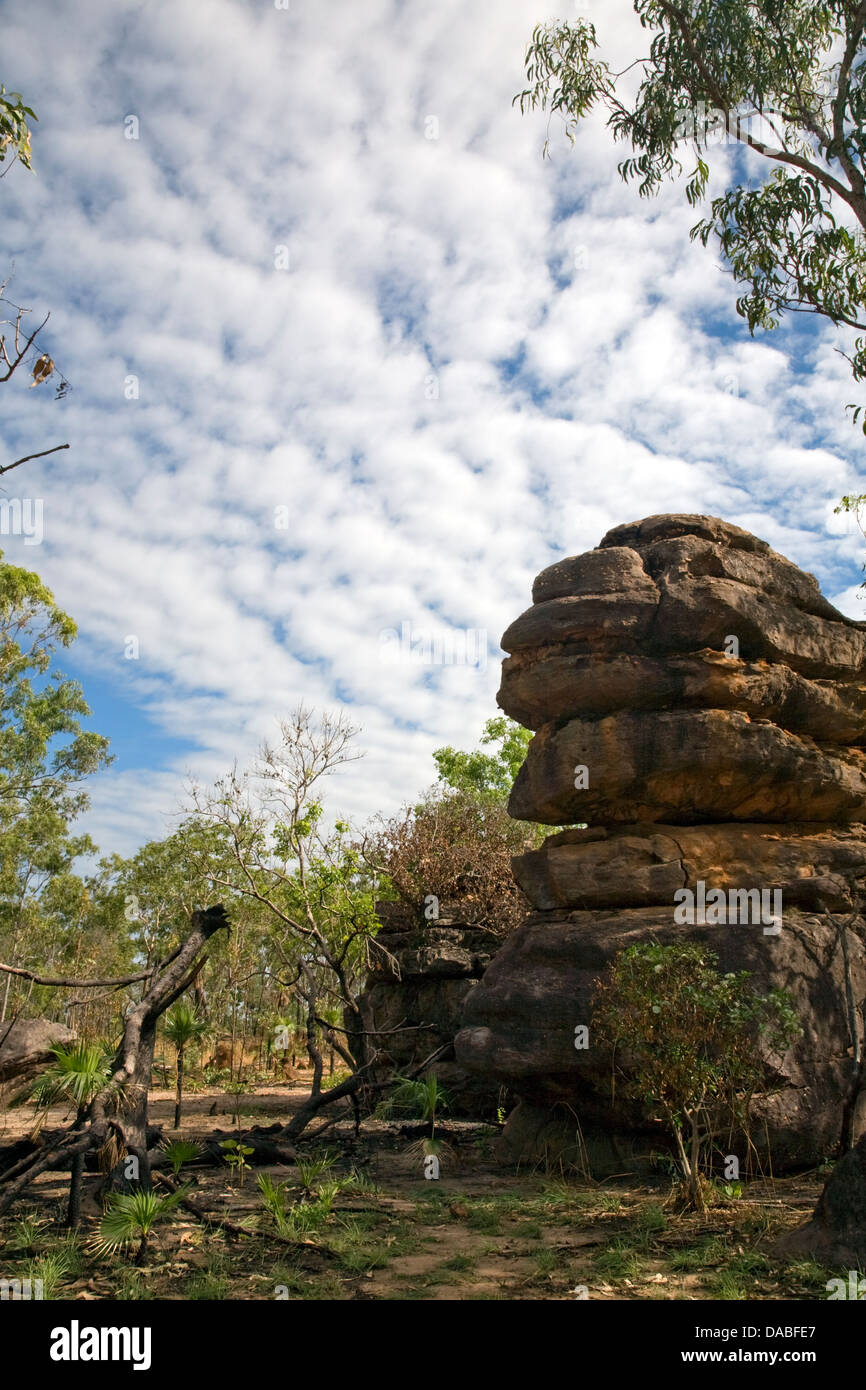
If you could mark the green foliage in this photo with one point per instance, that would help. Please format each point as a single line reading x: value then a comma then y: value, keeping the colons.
x: 336, y: 1079
x: 422, y: 1098
x: 132, y: 1216
x: 25, y: 1232
x: 14, y: 128
x: 302, y: 1218
x: 78, y: 1071
x: 180, y: 1151
x: 855, y: 502
x: 688, y: 1041
x: 54, y: 1269
x: 45, y: 907
x: 311, y: 1169
x: 159, y: 887
x: 486, y: 773
x: 788, y: 81
x: 235, y: 1154
x: 183, y: 1025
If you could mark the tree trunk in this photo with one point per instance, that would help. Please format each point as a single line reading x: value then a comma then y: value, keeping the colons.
x: 73, y: 1210
x: 179, y: 1093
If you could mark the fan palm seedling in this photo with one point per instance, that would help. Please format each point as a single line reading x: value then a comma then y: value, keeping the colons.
x: 131, y: 1216
x: 180, y: 1151
x: 77, y: 1073
x: 273, y: 1198
x: 183, y: 1026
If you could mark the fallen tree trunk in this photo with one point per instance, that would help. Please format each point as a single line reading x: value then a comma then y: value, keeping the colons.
x: 116, y: 1120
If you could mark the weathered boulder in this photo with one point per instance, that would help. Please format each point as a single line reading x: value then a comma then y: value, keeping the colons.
x: 25, y: 1045
x: 836, y: 1234
x: 519, y: 1025
x: 698, y: 702
x: 685, y: 592
x: 644, y: 866
x: 546, y: 686
x: 683, y: 766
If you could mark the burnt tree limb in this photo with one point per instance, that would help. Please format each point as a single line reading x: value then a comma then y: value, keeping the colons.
x: 116, y: 1120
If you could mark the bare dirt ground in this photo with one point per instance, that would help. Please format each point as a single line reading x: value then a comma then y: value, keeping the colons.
x: 481, y: 1231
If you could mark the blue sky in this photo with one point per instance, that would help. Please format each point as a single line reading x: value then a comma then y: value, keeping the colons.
x: 388, y: 363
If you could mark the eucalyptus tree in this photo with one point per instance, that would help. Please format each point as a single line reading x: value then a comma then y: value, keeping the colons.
x: 780, y: 80
x: 18, y: 343
x: 46, y: 755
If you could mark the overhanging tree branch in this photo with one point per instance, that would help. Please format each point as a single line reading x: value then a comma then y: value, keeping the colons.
x: 27, y: 457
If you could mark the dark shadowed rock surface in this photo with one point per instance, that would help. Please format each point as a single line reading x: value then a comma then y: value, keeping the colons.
x: 715, y: 700
x: 836, y: 1234
x: 421, y: 975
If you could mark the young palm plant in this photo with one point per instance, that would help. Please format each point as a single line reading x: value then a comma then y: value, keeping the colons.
x: 183, y: 1026
x: 422, y: 1098
x: 131, y: 1216
x: 76, y: 1074
x: 180, y: 1151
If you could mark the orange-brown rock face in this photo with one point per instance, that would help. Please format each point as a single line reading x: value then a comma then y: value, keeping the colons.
x: 698, y: 702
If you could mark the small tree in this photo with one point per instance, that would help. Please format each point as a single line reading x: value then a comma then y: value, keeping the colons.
x: 307, y: 881
x: 182, y: 1027
x: 689, y: 1042
x: 455, y: 844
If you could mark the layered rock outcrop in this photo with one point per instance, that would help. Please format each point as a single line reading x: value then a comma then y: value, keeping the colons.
x: 700, y: 705
x: 421, y: 974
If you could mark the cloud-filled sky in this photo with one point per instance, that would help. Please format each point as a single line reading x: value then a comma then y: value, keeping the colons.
x: 351, y: 363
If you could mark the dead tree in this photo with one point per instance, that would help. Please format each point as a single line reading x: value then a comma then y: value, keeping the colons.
x: 115, y: 1123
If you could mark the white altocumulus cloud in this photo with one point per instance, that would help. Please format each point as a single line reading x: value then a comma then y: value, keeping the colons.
x: 472, y: 363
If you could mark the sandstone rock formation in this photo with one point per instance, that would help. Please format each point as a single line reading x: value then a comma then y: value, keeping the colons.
x: 699, y: 703
x: 422, y: 972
